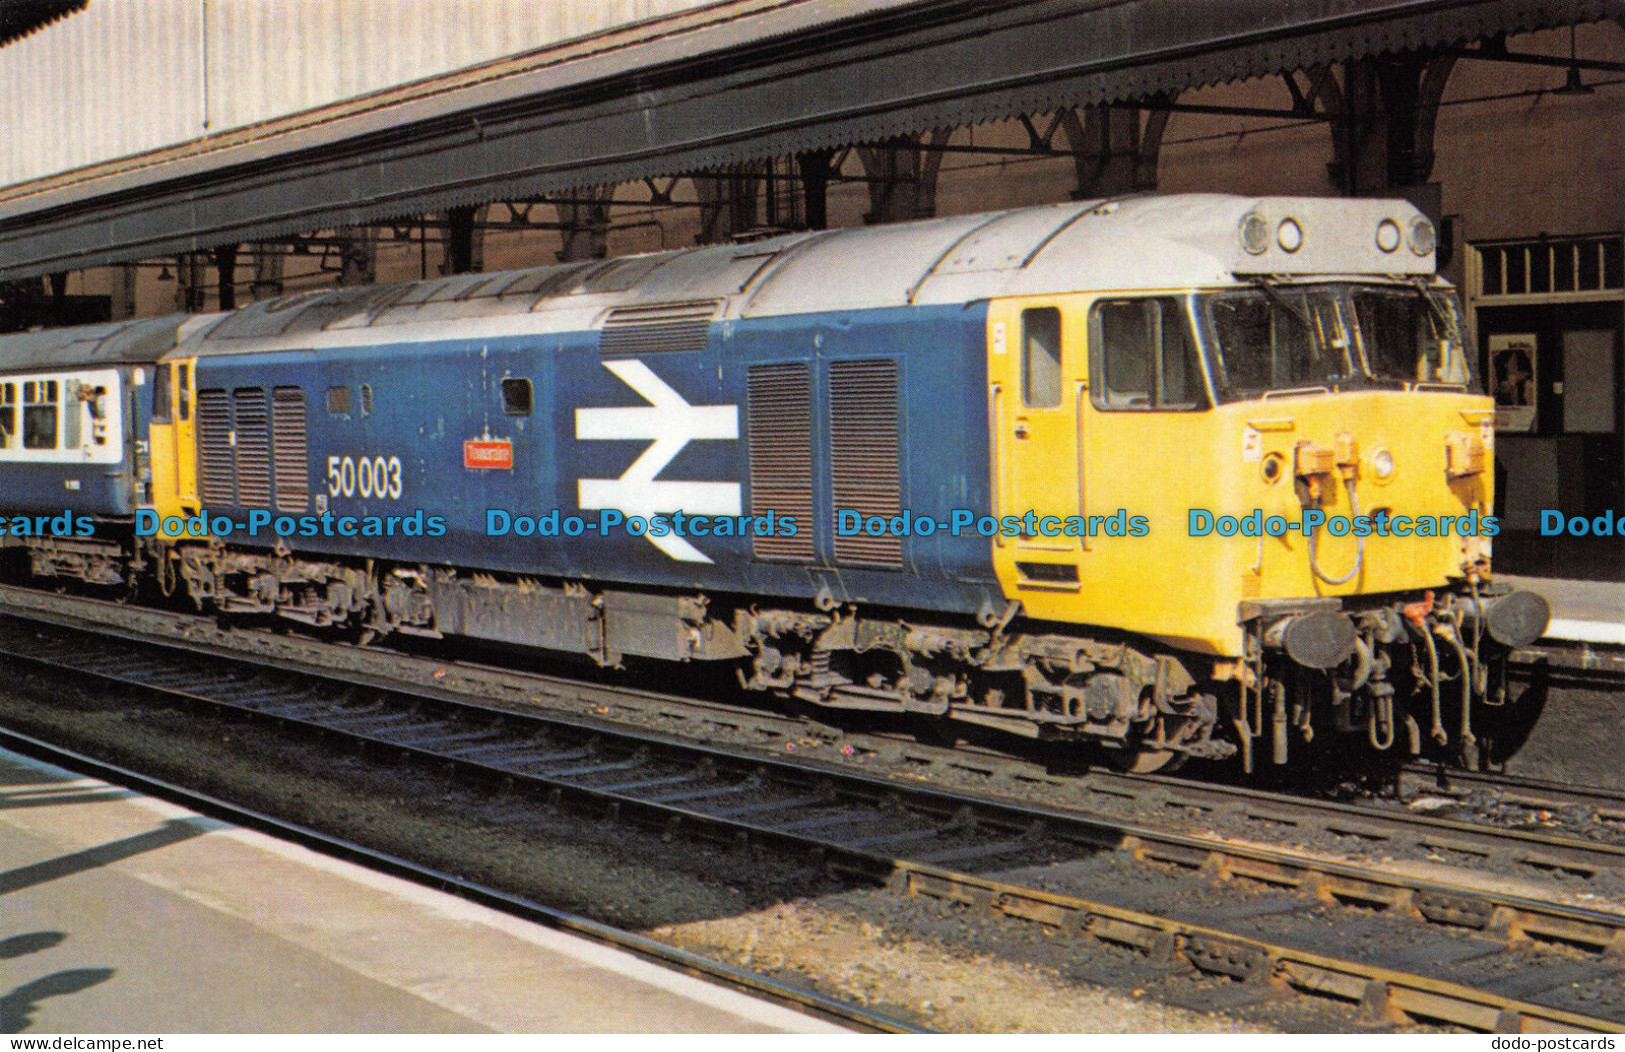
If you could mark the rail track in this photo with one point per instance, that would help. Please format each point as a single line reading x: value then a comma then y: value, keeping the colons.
x: 1490, y: 960
x: 1530, y: 794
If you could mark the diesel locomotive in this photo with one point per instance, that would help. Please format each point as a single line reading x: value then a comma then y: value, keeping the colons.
x: 1178, y: 476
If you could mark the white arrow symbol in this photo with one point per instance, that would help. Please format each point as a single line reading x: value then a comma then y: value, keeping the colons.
x: 671, y: 423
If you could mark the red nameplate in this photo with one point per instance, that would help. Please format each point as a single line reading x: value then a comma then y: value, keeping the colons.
x: 487, y: 455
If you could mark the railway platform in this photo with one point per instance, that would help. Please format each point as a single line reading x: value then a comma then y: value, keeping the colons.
x: 120, y: 913
x: 1582, y: 611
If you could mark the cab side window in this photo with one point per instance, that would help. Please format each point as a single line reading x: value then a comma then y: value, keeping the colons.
x: 1145, y: 357
x: 1041, y: 357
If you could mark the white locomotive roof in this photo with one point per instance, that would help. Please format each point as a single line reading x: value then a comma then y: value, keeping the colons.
x: 1149, y: 242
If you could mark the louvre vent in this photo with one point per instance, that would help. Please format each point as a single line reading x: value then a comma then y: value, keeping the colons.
x: 779, y: 416
x: 289, y: 452
x: 658, y: 328
x: 253, y: 448
x: 216, y: 460
x: 863, y: 440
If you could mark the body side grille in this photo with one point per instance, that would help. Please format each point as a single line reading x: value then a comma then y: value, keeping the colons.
x: 779, y: 418
x: 865, y: 475
x: 217, y: 469
x: 251, y: 423
x: 289, y: 449
x: 658, y: 328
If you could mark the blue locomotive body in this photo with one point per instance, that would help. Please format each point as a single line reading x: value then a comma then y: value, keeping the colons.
x: 533, y: 398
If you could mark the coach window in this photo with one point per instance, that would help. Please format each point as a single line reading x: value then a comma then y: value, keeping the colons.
x: 162, y: 400
x: 8, y: 415
x: 1041, y: 357
x: 1145, y: 357
x: 516, y: 396
x: 40, y: 414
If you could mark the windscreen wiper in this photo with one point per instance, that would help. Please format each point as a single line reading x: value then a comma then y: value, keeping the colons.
x: 1275, y: 297
x: 1423, y: 289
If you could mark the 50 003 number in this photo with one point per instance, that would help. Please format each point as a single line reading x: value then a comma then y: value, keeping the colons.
x: 364, y: 477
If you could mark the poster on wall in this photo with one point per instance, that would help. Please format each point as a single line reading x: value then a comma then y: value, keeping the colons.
x: 1513, y: 381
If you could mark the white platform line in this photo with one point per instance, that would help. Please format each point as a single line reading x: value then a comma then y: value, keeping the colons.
x: 1573, y: 631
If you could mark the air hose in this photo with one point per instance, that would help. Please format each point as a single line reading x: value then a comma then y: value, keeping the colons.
x: 1359, y: 551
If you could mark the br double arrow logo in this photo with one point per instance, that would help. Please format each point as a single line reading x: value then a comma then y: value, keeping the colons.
x: 671, y: 423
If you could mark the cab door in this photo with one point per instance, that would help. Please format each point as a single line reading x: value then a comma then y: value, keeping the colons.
x: 1037, y: 384
x: 172, y: 438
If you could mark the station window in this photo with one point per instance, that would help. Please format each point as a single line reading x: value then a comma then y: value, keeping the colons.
x: 1145, y: 357
x: 8, y: 415
x: 338, y: 400
x: 516, y: 396
x: 1041, y: 357
x: 40, y: 414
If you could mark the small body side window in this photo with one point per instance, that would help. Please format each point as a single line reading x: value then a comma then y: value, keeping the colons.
x: 338, y: 400
x: 183, y: 390
x: 516, y: 396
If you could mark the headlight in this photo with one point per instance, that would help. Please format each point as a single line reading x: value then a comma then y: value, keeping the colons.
x: 1382, y: 464
x: 1423, y: 239
x: 1255, y: 234
x: 1289, y: 235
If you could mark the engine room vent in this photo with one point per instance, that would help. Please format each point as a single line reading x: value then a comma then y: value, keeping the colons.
x: 251, y: 424
x: 289, y: 449
x: 217, y: 462
x: 864, y: 470
x: 657, y: 328
x: 778, y: 414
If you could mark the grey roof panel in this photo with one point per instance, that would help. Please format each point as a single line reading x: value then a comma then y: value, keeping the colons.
x: 878, y: 266
x: 140, y: 342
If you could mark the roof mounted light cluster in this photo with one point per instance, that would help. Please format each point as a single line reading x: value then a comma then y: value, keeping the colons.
x: 1334, y: 237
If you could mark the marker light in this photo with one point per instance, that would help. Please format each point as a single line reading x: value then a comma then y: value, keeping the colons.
x: 1382, y: 463
x: 1388, y: 235
x: 1255, y: 233
x: 1289, y: 235
x: 1423, y: 239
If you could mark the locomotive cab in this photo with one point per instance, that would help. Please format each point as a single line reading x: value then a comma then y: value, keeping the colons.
x: 1297, y: 455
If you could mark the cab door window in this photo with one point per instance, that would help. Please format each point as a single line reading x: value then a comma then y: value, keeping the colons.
x: 1041, y: 357
x: 162, y: 395
x: 1145, y: 356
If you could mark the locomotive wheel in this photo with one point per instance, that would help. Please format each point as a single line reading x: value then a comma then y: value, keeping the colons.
x: 1147, y: 761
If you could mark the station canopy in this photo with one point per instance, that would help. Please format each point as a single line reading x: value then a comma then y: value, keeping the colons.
x: 725, y: 84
